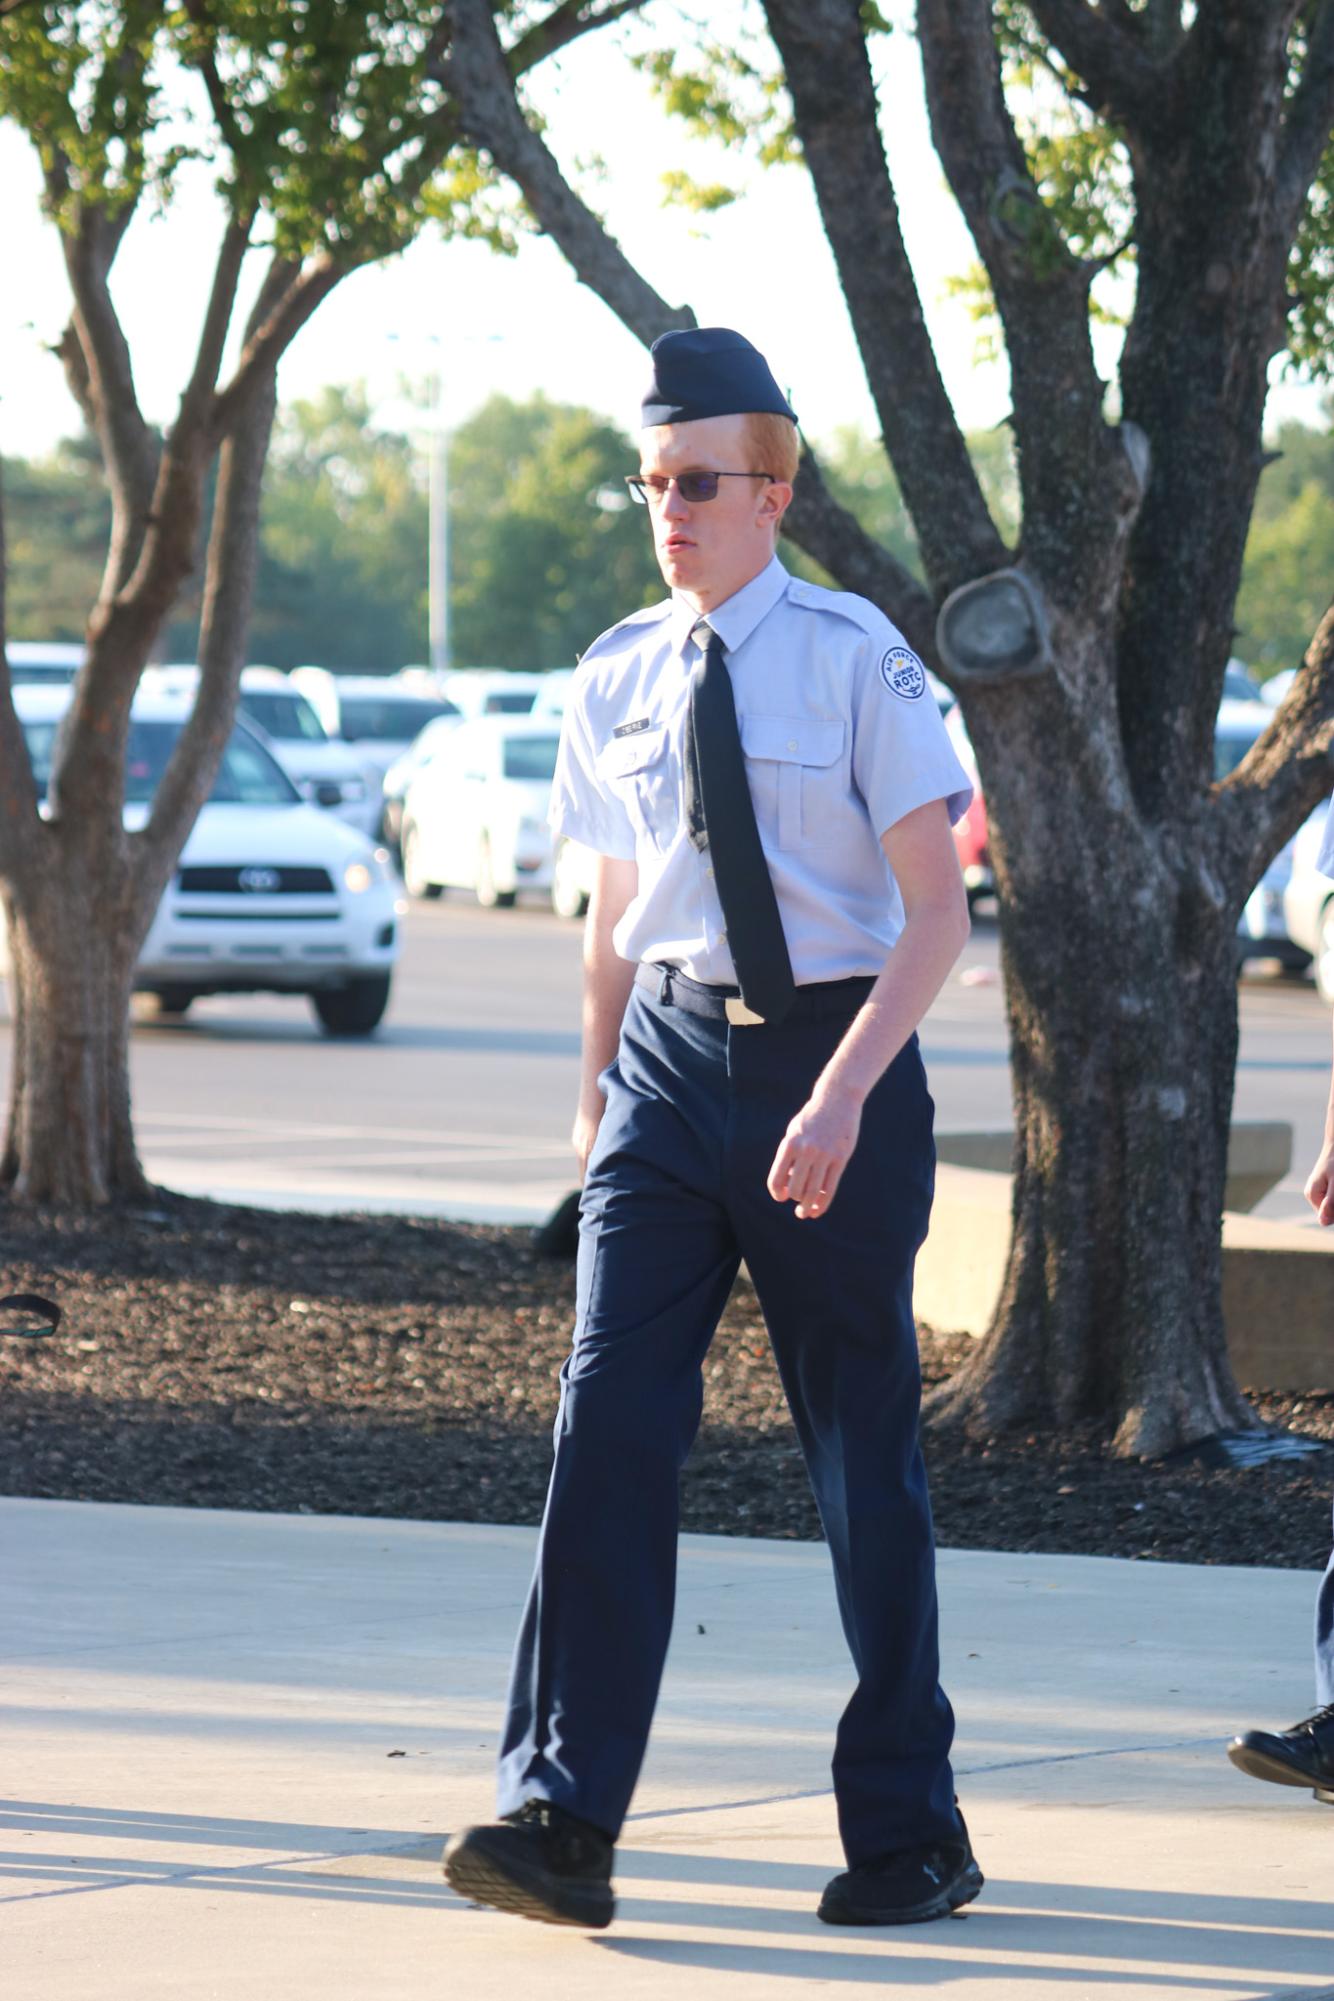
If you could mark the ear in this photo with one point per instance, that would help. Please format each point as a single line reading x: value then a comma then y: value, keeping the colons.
x: 774, y: 504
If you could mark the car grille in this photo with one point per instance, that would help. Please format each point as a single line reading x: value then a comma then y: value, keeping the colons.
x: 244, y: 880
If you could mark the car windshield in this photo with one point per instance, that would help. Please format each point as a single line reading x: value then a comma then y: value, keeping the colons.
x: 1230, y: 746
x: 247, y: 776
x: 387, y: 718
x: 507, y: 705
x: 287, y: 718
x: 530, y: 756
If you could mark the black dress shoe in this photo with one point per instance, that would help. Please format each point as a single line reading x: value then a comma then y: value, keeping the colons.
x: 540, y: 1862
x: 1301, y: 1756
x: 907, y: 1887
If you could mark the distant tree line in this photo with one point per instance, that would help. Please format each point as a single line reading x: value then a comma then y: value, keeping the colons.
x: 545, y: 550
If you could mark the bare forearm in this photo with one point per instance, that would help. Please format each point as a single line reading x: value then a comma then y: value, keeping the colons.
x: 607, y: 982
x: 913, y: 975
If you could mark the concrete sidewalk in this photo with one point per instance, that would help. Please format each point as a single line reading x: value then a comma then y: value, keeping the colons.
x: 235, y: 1742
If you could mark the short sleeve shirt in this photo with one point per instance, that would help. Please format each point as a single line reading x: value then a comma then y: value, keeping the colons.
x: 841, y: 737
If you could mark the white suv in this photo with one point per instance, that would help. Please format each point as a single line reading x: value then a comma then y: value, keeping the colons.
x: 270, y: 895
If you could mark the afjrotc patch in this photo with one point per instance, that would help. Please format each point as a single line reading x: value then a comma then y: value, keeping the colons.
x: 903, y: 673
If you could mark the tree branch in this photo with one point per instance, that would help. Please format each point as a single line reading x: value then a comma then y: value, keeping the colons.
x: 268, y: 337
x: 563, y: 25
x: 823, y: 48
x: 229, y: 579
x: 1102, y: 45
x: 217, y: 319
x: 1306, y: 127
x: 1080, y: 494
x: 104, y: 386
x: 1283, y: 777
x: 484, y: 94
x: 830, y: 533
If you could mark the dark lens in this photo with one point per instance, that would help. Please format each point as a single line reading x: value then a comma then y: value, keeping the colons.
x: 698, y: 485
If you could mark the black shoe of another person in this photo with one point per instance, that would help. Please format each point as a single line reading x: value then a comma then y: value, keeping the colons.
x: 907, y: 1887
x: 540, y: 1862
x: 1302, y: 1756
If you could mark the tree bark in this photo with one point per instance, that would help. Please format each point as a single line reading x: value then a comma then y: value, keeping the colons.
x: 72, y: 951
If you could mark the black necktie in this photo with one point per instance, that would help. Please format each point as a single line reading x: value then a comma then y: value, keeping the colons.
x: 721, y: 817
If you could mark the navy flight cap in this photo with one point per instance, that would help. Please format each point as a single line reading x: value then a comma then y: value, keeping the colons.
x: 709, y: 372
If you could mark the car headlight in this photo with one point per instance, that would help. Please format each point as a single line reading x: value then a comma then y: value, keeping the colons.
x: 368, y: 869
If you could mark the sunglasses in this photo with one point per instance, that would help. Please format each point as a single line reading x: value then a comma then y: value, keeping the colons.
x: 652, y: 488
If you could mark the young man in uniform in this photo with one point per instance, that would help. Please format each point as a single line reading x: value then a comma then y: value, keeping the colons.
x: 1303, y: 1755
x: 762, y: 769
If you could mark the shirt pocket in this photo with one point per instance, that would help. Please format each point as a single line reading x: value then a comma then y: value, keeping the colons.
x: 639, y: 771
x: 795, y: 766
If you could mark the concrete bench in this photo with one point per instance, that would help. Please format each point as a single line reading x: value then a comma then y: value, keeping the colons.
x: 1278, y: 1278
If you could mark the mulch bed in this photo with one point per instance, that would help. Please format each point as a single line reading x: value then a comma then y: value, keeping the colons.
x: 239, y: 1358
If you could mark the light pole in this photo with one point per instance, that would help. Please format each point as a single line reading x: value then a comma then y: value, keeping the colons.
x: 438, y: 526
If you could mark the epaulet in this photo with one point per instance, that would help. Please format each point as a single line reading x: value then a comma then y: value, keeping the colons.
x: 652, y: 614
x: 842, y: 604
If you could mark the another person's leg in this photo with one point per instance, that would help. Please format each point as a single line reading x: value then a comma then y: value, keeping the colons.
x: 656, y: 1262
x: 837, y: 1295
x: 1302, y: 1755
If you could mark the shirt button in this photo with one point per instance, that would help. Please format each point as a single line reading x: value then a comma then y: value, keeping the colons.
x: 708, y: 871
x: 792, y: 743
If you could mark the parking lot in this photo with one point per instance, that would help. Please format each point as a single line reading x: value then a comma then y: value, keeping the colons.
x: 463, y: 1101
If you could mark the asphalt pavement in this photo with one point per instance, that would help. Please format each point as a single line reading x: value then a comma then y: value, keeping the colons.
x: 462, y: 1104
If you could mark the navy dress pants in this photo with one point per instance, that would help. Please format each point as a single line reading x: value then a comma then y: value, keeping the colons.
x: 1324, y: 1639
x: 674, y: 1197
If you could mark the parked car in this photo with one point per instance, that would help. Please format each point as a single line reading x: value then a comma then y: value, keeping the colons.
x: 424, y: 746
x: 271, y: 895
x: 379, y: 713
x: 970, y: 832
x: 1308, y: 901
x: 572, y: 871
x: 475, y: 817
x: 52, y: 662
x: 325, y: 772
x: 1262, y: 932
x: 492, y: 691
x: 551, y: 697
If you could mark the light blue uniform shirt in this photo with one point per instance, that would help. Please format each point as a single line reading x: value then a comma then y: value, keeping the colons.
x: 842, y: 738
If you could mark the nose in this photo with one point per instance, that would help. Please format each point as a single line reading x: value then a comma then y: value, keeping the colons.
x: 674, y: 508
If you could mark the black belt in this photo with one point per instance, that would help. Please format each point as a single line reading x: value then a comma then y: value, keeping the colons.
x: 812, y: 1003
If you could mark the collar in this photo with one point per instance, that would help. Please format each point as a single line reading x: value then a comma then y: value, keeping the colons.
x: 736, y: 617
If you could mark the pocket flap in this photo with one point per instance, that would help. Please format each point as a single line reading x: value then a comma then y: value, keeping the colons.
x: 792, y: 739
x: 627, y: 754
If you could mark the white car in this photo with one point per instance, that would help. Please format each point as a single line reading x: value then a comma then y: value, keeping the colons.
x: 326, y: 772
x: 378, y: 713
x: 492, y: 691
x: 52, y: 662
x: 1263, y: 931
x: 270, y: 895
x: 427, y: 744
x: 475, y: 817
x: 1308, y: 901
x: 553, y: 694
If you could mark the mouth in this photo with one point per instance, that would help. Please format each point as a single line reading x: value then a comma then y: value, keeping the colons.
x: 676, y: 542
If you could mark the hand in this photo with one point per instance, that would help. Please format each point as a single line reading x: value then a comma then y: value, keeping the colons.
x: 586, y: 1122
x: 816, y: 1148
x: 1320, y: 1185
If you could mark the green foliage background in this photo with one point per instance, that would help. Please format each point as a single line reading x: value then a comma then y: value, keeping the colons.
x: 545, y: 551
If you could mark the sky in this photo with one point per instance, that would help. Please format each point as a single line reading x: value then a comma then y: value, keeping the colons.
x: 522, y: 325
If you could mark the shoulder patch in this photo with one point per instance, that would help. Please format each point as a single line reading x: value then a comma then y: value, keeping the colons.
x: 903, y: 674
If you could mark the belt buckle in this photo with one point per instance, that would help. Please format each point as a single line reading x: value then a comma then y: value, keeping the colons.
x: 738, y: 1014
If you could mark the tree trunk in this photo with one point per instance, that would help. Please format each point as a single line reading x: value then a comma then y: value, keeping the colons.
x: 1121, y: 996
x: 72, y: 951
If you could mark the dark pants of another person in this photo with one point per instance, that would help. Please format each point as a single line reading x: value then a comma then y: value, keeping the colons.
x: 674, y: 1197
x: 1324, y: 1640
